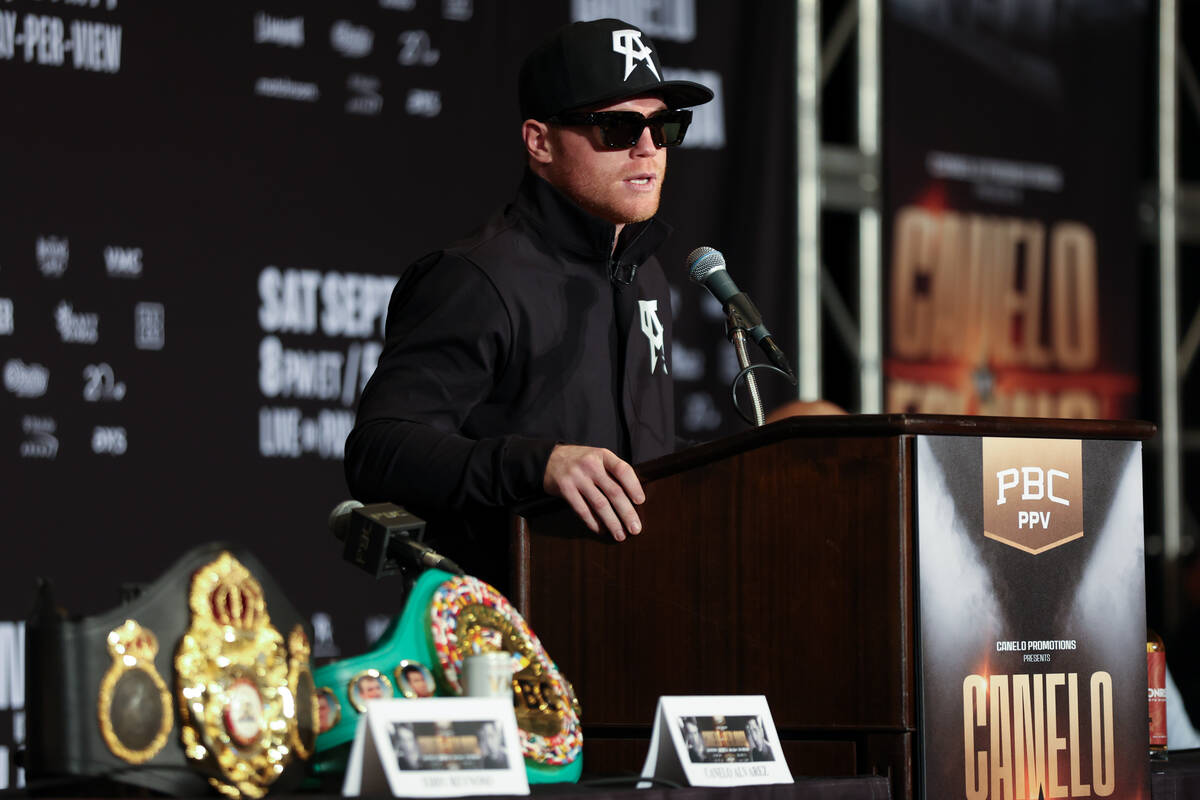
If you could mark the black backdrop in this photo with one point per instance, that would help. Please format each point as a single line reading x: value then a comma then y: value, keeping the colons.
x: 217, y: 194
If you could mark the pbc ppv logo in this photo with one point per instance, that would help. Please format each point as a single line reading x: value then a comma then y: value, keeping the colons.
x: 1033, y: 492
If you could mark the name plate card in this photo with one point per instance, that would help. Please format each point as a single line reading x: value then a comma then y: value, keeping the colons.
x: 437, y: 747
x: 727, y: 740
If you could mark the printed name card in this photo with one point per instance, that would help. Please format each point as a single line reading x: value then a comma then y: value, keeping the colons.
x: 715, y: 741
x: 437, y: 747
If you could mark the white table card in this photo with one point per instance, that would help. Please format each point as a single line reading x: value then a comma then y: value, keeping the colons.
x: 437, y: 747
x: 725, y: 740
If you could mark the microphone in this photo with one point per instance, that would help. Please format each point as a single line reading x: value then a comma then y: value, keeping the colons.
x: 706, y: 266
x: 377, y: 539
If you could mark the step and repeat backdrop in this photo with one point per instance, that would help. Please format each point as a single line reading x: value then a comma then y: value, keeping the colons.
x: 204, y: 209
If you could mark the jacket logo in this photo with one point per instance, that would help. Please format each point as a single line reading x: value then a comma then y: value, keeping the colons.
x: 628, y: 43
x: 652, y: 327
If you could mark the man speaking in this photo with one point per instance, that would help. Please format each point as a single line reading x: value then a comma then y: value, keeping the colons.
x: 534, y: 356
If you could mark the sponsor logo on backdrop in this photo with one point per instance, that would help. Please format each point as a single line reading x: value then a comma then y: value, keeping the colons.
x: 366, y: 98
x: 674, y: 20
x: 423, y: 102
x: 688, y: 362
x: 374, y: 626
x: 707, y: 131
x: 416, y: 49
x: 76, y: 327
x: 7, y: 319
x: 323, y: 644
x: 100, y: 383
x: 283, y: 88
x: 1033, y: 492
x: 398, y: 5
x: 123, y: 262
x: 149, y: 326
x: 700, y: 412
x: 458, y: 10
x: 53, y: 253
x: 25, y: 380
x: 281, y: 31
x: 352, y: 41
x: 40, y: 441
x: 109, y: 440
x: 45, y: 40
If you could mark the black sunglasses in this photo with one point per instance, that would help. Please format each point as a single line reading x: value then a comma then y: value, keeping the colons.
x: 621, y: 129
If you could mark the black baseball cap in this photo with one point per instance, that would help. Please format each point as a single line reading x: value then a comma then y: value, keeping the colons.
x: 593, y: 63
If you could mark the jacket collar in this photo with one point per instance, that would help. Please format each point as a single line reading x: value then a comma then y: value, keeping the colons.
x: 566, y: 226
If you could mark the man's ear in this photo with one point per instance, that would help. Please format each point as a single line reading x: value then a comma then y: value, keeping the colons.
x: 537, y: 141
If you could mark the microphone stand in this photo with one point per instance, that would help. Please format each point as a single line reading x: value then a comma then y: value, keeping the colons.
x: 735, y: 331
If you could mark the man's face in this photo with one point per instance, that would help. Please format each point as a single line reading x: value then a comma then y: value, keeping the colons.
x: 370, y: 689
x: 694, y: 739
x: 408, y: 745
x: 416, y: 682
x: 754, y: 733
x: 619, y: 186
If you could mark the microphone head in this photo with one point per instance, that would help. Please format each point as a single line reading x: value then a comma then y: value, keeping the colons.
x: 702, y: 261
x: 340, y: 516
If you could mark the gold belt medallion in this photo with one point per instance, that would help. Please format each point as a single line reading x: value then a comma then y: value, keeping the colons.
x: 238, y: 684
x: 135, y: 706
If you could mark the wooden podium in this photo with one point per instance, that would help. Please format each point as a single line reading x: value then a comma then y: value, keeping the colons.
x: 779, y: 561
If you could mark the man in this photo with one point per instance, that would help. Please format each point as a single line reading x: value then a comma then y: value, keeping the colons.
x: 694, y: 740
x: 533, y: 356
x: 414, y: 677
x: 404, y: 742
x: 369, y: 687
x: 491, y: 747
x: 757, y: 740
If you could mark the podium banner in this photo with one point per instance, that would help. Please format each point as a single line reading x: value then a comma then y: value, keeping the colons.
x: 1032, y: 630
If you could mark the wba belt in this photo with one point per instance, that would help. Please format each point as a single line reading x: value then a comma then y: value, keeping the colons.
x: 202, y: 679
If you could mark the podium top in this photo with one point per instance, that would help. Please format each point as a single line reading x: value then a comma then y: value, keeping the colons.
x: 887, y: 425
x: 846, y: 426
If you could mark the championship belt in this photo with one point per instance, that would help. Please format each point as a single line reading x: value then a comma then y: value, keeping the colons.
x: 444, y: 619
x: 192, y: 684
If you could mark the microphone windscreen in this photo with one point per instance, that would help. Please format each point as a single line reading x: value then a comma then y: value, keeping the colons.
x: 339, y: 518
x: 702, y: 261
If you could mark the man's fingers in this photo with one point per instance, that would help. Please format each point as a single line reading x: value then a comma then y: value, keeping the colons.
x: 604, y: 510
x: 625, y: 475
x: 580, y: 507
x: 601, y: 488
x: 621, y: 505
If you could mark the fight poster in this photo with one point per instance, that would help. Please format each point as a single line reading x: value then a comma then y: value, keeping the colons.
x: 1031, y: 604
x: 1010, y: 207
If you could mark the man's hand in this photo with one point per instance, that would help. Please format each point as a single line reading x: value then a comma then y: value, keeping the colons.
x: 596, y: 484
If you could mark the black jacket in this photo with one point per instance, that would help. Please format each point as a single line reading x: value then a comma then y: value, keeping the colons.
x: 524, y: 335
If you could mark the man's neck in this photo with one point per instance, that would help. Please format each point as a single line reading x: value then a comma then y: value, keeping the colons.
x: 617, y: 235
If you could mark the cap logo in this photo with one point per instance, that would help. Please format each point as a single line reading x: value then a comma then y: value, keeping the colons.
x: 628, y: 43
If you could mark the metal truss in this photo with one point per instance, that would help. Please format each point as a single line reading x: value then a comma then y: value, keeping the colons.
x: 841, y: 177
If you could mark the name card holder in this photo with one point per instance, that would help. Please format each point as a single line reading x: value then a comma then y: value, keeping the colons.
x: 725, y: 740
x: 437, y: 747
